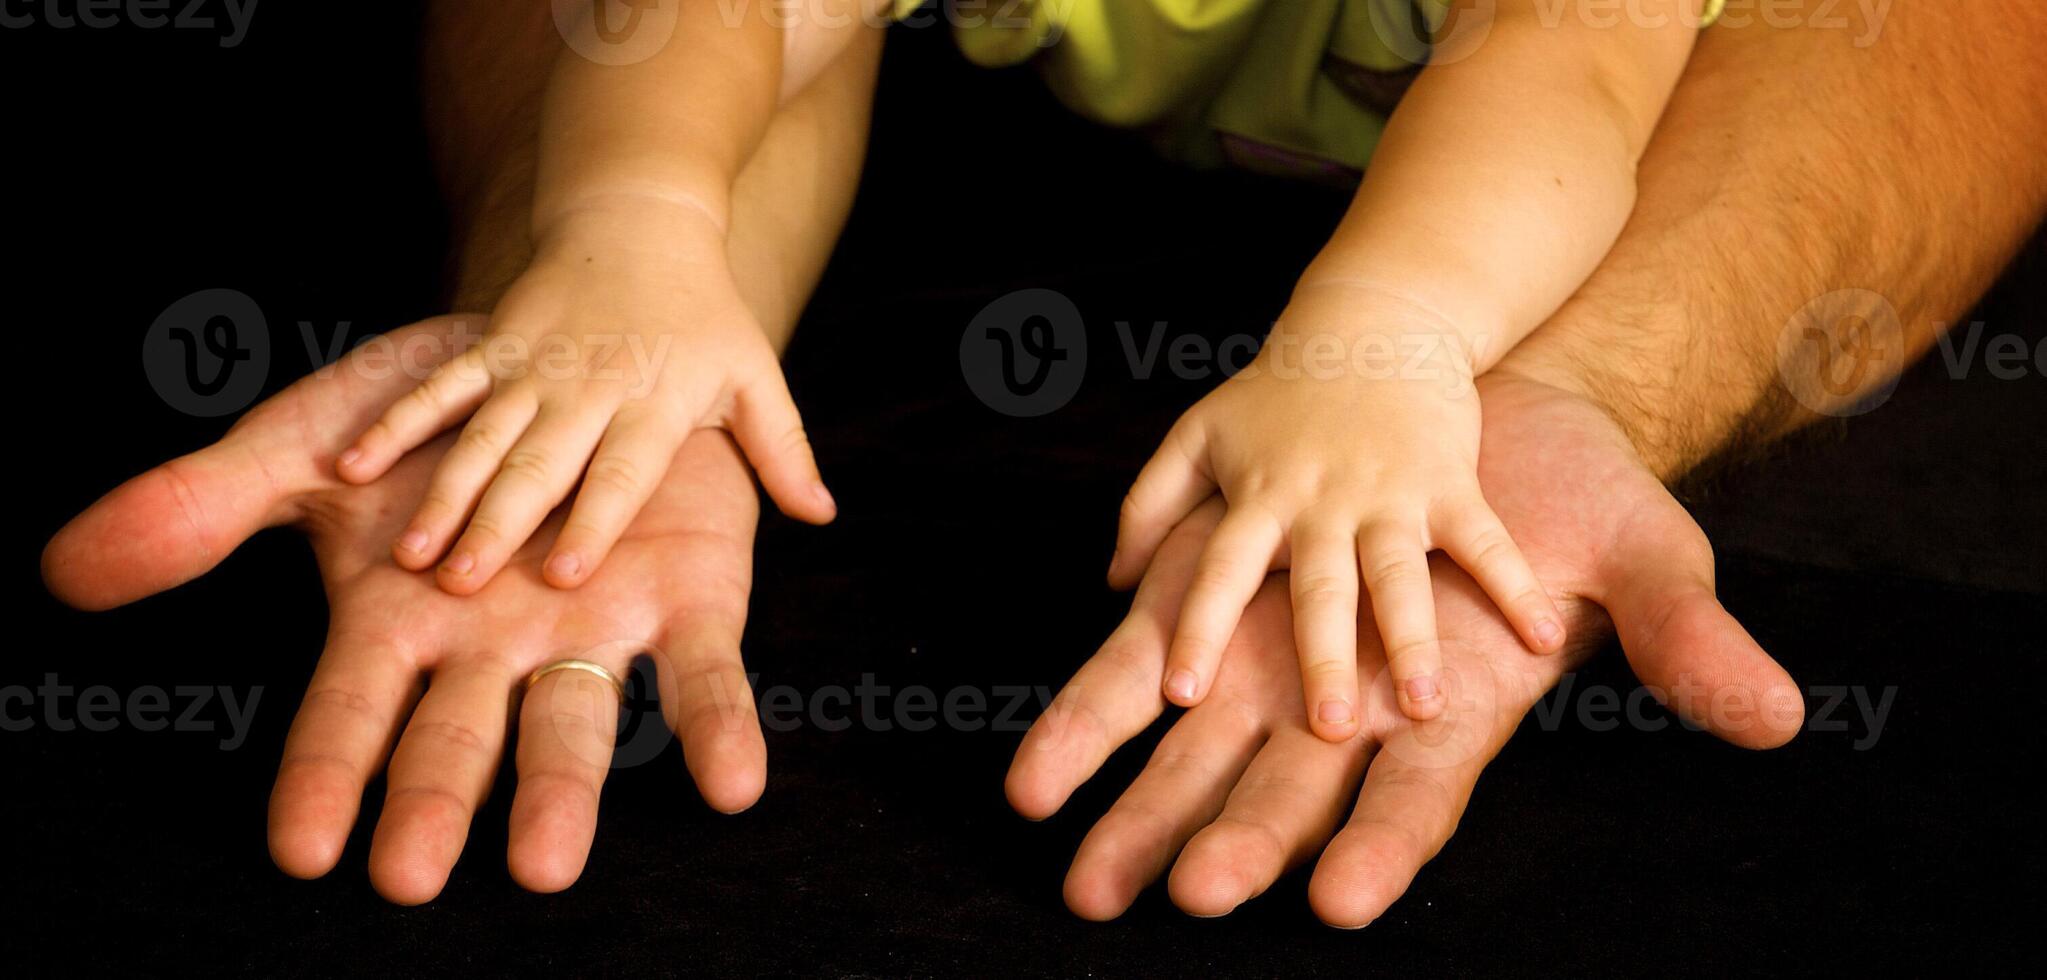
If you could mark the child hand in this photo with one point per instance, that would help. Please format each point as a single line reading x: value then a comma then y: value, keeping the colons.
x: 626, y: 334
x: 1338, y: 450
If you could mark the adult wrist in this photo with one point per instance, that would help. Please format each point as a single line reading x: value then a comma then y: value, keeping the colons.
x: 1629, y: 361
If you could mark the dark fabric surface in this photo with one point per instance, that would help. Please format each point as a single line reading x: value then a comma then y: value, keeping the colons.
x: 1901, y: 552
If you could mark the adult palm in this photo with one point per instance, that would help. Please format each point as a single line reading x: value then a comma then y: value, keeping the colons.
x: 415, y: 681
x: 1240, y: 789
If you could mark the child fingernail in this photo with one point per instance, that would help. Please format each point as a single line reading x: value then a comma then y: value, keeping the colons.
x: 1181, y: 685
x: 824, y: 498
x: 564, y: 566
x: 461, y: 564
x: 1334, y: 712
x: 1548, y: 633
x: 413, y: 541
x: 348, y: 458
x: 1421, y: 688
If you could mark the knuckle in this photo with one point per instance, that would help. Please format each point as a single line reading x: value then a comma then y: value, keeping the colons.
x: 1394, y: 572
x: 1133, y: 510
x: 1400, y: 842
x: 1411, y: 649
x: 427, y: 396
x: 1180, y: 763
x: 437, y: 505
x: 453, y: 734
x: 483, y: 437
x: 615, y: 474
x: 382, y: 430
x: 1322, y: 590
x: 1325, y: 673
x: 485, y: 528
x: 795, y: 440
x: 527, y: 463
x: 1491, y: 548
x: 1257, y: 834
x: 1218, y: 576
x: 340, y: 699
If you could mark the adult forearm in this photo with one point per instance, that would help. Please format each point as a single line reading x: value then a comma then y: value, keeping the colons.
x: 1806, y: 182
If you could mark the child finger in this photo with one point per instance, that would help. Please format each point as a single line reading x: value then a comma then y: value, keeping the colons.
x: 1325, y: 591
x: 451, y: 393
x: 1472, y: 535
x: 629, y: 464
x: 1395, y: 561
x: 770, y: 432
x: 1174, y: 482
x: 1231, y: 569
x: 461, y: 476
x: 533, y: 479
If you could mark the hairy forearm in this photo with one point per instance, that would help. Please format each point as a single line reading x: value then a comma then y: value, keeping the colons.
x: 1509, y: 167
x: 1806, y: 179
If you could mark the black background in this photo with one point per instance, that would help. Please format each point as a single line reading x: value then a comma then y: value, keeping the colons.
x: 1902, y: 549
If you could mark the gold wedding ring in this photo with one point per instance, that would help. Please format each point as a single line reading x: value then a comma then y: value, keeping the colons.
x: 585, y: 666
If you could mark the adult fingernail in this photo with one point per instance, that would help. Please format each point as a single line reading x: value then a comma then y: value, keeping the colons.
x: 1334, y: 712
x: 564, y: 566
x: 462, y: 563
x: 1181, y: 685
x: 1421, y: 688
x: 348, y: 458
x: 824, y: 498
x: 1548, y: 633
x: 413, y: 541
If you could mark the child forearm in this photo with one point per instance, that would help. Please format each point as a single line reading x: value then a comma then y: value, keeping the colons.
x: 1508, y: 170
x: 669, y: 133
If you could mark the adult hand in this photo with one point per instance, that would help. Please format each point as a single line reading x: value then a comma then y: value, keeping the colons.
x: 1240, y: 789
x: 433, y: 673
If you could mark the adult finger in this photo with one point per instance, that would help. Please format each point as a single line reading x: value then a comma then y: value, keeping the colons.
x: 1180, y: 791
x: 1685, y: 647
x: 1406, y: 810
x: 440, y: 772
x: 1283, y: 809
x: 709, y: 704
x: 1115, y: 695
x: 338, y: 743
x: 568, y: 721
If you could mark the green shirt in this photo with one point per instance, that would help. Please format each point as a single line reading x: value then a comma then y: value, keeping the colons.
x: 1300, y: 87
